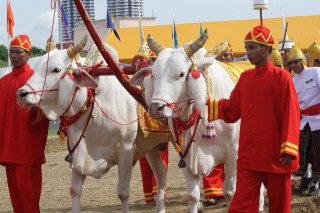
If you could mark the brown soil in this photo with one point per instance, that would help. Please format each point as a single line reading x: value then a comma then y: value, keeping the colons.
x: 100, y: 196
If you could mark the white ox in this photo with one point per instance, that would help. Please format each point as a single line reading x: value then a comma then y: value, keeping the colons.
x: 172, y: 92
x: 104, y: 142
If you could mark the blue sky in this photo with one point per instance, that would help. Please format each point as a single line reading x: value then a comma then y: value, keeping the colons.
x: 34, y: 17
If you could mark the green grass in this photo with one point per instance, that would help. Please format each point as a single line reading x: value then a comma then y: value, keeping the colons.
x: 52, y: 132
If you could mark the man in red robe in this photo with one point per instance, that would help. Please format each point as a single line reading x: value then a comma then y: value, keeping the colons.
x: 266, y: 101
x: 23, y: 135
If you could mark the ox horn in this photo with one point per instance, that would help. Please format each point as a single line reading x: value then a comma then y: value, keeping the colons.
x: 50, y: 44
x: 77, y: 49
x: 197, y: 44
x: 154, y: 45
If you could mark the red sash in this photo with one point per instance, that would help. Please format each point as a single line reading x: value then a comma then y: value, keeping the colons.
x: 313, y: 110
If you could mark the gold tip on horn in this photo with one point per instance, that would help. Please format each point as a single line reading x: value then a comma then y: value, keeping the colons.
x: 154, y: 45
x: 197, y: 44
x: 77, y: 49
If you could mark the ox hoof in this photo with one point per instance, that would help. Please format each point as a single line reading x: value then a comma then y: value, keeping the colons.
x: 201, y: 209
x: 182, y: 164
x: 68, y: 158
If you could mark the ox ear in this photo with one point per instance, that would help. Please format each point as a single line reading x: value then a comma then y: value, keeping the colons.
x: 137, y: 78
x: 85, y: 80
x: 201, y: 63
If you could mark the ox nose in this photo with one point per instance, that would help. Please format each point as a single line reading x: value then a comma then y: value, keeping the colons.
x: 155, y: 108
x: 21, y: 93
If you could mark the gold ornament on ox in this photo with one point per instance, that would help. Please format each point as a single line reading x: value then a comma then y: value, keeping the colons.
x: 70, y: 71
x: 84, y: 109
x: 125, y: 78
x: 103, y: 48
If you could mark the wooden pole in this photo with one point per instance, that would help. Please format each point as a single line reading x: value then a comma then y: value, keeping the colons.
x: 284, y: 37
x: 118, y: 72
x: 261, y: 20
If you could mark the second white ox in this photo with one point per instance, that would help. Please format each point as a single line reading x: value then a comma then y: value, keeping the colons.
x: 176, y: 92
x: 102, y: 143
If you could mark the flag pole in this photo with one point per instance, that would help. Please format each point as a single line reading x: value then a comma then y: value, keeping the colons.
x: 9, y: 62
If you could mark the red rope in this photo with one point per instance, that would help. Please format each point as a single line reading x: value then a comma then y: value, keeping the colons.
x: 66, y: 121
x: 180, y: 126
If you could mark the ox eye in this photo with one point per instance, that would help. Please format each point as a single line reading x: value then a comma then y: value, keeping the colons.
x: 56, y: 70
x: 181, y: 75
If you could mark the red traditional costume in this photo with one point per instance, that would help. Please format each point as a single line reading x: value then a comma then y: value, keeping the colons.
x: 148, y: 180
x: 266, y: 101
x: 22, y: 142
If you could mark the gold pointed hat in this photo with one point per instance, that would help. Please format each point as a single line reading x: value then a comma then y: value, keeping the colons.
x: 50, y: 44
x: 313, y: 53
x: 220, y: 49
x: 276, y: 57
x: 144, y: 50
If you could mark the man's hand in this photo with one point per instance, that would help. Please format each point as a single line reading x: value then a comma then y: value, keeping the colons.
x: 286, y: 159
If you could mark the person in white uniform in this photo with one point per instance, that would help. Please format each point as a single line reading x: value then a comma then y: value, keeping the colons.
x: 307, y: 84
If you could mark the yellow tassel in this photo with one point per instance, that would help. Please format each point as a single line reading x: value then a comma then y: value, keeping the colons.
x: 178, y: 148
x: 181, y: 141
x: 62, y: 136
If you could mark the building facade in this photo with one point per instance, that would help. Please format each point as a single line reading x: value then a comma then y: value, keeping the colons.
x: 73, y: 18
x: 125, y: 8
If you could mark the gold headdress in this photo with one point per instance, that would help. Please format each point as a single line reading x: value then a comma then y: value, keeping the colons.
x: 276, y: 58
x: 313, y: 53
x: 50, y: 44
x: 295, y: 53
x: 220, y: 49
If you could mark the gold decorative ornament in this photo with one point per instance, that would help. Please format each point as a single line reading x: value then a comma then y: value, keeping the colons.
x: 84, y: 109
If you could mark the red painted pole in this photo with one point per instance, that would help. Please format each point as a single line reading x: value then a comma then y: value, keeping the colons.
x: 118, y: 72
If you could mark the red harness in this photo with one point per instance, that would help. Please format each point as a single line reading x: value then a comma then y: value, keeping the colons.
x: 66, y: 121
x: 179, y: 127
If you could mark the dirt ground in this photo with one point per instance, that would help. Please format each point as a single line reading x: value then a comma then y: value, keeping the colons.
x: 99, y: 194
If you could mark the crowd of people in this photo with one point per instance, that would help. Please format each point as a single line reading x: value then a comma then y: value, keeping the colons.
x: 278, y: 103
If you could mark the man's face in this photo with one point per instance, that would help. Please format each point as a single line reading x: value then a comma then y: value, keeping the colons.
x: 285, y: 55
x: 296, y: 66
x: 18, y: 57
x: 257, y: 53
x: 316, y: 63
x: 225, y: 57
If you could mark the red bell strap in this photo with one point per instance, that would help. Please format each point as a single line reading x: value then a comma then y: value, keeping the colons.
x: 179, y: 127
x: 82, y: 134
x: 66, y: 121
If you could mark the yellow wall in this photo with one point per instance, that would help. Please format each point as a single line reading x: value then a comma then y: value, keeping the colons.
x: 303, y: 30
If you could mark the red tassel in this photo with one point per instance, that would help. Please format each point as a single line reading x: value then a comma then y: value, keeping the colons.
x: 195, y: 74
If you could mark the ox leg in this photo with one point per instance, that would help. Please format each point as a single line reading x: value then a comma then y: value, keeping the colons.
x: 229, y: 184
x: 193, y: 189
x: 125, y: 165
x: 77, y: 180
x: 160, y: 173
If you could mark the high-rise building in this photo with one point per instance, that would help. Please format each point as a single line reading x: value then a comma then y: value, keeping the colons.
x: 73, y: 18
x: 125, y: 8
